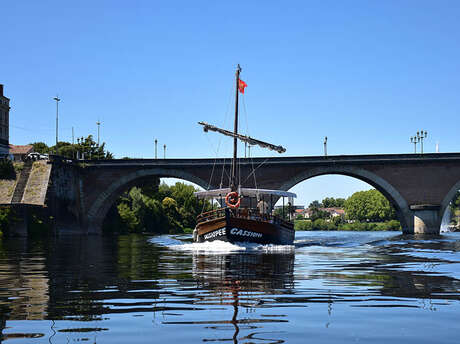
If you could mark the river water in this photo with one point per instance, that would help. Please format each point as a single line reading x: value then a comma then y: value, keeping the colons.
x: 331, y: 287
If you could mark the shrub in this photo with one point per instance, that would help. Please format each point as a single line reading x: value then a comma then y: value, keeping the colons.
x: 7, y: 169
x: 303, y: 225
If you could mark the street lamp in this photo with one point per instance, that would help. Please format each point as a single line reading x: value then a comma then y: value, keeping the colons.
x: 57, y: 99
x: 413, y: 139
x: 78, y: 148
x: 423, y: 135
x: 164, y: 151
x: 82, y: 148
x: 325, y: 146
x: 98, y: 125
x: 156, y: 142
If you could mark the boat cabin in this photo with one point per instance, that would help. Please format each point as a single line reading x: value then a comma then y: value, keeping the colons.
x: 257, y: 204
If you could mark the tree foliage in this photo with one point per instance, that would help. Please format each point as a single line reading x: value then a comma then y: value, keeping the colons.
x: 315, y: 204
x: 331, y: 202
x: 86, y: 147
x: 41, y: 147
x: 7, y: 169
x: 369, y: 205
x: 455, y: 203
x: 317, y: 213
x: 7, y: 217
x: 162, y: 209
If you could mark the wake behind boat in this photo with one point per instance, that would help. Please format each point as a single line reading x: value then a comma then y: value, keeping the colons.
x: 244, y: 214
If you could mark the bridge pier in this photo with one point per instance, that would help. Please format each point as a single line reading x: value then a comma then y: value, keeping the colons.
x: 426, y: 219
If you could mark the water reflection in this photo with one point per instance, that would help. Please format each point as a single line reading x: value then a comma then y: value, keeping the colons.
x: 242, y: 281
x: 87, y: 288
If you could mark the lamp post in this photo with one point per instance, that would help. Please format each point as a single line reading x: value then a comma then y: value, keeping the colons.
x: 423, y: 135
x: 57, y: 99
x: 164, y: 151
x: 78, y: 148
x: 82, y: 148
x: 413, y: 139
x: 156, y: 142
x: 325, y: 146
x: 98, y: 123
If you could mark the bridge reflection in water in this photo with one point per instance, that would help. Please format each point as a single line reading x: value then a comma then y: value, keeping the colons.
x: 134, y: 288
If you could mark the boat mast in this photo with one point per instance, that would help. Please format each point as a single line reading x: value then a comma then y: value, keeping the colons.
x: 233, y: 185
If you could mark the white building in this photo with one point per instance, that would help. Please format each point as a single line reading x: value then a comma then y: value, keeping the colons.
x: 4, y: 123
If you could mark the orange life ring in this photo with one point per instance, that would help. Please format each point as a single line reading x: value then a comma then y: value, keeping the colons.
x: 232, y: 200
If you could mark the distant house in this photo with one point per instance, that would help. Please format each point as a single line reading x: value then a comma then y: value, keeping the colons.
x: 333, y: 212
x: 298, y: 212
x: 20, y: 152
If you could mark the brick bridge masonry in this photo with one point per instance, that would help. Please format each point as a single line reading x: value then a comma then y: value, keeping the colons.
x: 420, y: 187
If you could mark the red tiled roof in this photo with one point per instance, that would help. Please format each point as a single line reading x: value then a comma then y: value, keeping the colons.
x: 26, y: 149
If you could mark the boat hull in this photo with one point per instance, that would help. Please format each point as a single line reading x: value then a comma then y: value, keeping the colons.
x: 234, y: 229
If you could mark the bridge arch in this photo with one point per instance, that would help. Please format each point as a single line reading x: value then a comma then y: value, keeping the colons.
x: 99, y: 209
x: 402, y: 208
x: 448, y: 198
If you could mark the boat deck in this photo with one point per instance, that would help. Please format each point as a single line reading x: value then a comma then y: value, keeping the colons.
x: 242, y: 213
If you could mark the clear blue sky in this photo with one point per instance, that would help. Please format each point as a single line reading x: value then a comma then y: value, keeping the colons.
x: 367, y: 74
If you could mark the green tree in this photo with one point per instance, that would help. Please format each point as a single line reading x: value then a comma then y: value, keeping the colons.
x: 41, y: 147
x: 159, y: 209
x: 455, y: 203
x: 369, y: 205
x: 86, y: 147
x: 315, y: 204
x: 330, y: 202
x: 316, y: 213
x: 7, y: 169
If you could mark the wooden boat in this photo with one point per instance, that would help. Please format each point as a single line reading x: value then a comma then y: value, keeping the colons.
x: 237, y: 221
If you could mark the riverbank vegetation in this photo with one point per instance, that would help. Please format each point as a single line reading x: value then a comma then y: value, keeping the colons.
x: 455, y: 210
x: 6, y: 218
x: 156, y: 209
x: 363, y: 211
x: 323, y: 225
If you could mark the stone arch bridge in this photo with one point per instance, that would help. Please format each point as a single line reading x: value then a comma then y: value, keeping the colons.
x: 419, y: 186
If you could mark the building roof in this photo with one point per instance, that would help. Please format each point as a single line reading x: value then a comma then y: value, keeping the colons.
x: 17, y: 149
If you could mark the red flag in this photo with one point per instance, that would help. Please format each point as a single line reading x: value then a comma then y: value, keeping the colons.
x: 241, y: 85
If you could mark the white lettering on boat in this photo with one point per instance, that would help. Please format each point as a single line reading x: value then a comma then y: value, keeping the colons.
x: 241, y: 232
x: 214, y: 234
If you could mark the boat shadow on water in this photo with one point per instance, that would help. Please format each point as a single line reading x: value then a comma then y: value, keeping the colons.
x: 247, y: 283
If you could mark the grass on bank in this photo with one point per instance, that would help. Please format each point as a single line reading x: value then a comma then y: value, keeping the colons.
x: 323, y: 225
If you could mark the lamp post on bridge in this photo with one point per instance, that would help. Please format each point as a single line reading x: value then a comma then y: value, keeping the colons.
x: 57, y: 99
x: 164, y: 151
x: 98, y: 123
x: 413, y: 139
x: 325, y: 146
x: 156, y: 142
x: 423, y: 135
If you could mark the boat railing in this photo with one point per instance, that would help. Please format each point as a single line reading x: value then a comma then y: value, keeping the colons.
x: 211, y: 215
x: 246, y: 213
